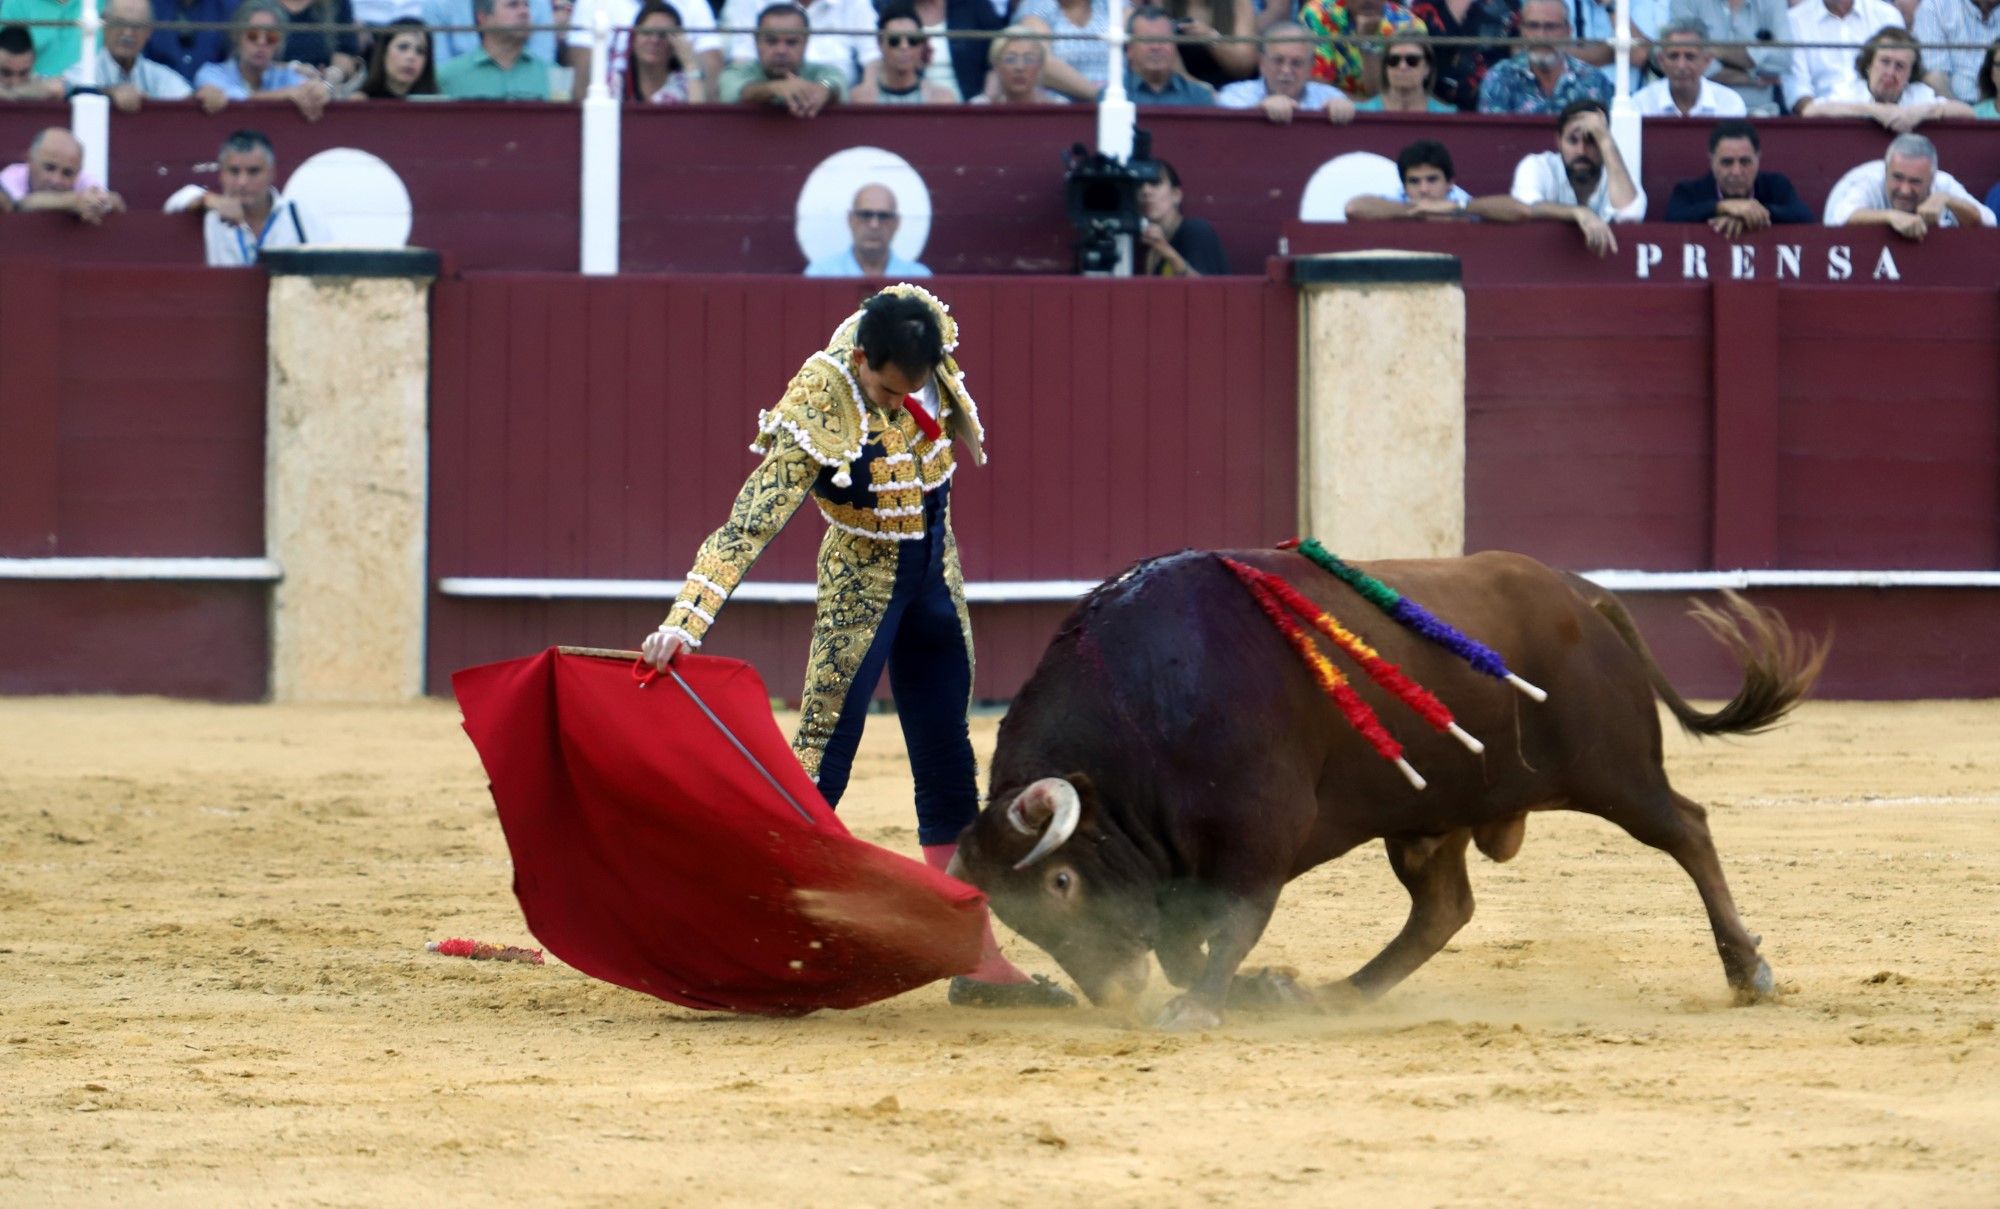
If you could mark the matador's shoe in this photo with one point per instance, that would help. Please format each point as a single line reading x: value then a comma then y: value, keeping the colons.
x: 1039, y: 991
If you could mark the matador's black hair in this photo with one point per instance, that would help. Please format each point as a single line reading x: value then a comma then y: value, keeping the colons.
x: 902, y: 329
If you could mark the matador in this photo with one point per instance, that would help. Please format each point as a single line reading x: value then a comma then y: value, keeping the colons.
x: 867, y: 429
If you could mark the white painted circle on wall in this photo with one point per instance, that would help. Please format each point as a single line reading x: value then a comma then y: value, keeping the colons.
x: 829, y: 194
x: 355, y: 196
x: 1344, y: 178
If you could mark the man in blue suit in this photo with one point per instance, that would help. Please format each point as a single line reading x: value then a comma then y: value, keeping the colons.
x: 1735, y: 197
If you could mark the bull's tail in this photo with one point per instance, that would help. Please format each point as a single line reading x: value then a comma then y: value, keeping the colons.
x: 1779, y: 666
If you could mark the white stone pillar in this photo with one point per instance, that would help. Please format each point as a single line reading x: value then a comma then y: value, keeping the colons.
x: 1382, y: 403
x: 347, y: 449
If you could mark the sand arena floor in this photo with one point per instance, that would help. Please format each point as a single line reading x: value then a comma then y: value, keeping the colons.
x: 214, y: 992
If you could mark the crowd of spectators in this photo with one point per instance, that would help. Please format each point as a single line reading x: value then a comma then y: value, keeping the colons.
x: 1898, y: 64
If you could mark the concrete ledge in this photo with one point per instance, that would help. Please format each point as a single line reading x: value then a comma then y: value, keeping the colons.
x: 350, y: 262
x: 1377, y: 268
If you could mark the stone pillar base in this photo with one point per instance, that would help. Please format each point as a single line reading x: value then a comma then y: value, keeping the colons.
x: 347, y: 458
x: 1382, y: 403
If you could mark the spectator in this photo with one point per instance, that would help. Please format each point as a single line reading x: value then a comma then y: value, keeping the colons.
x: 1284, y: 83
x: 57, y: 47
x: 1213, y: 61
x: 1989, y: 83
x: 955, y: 64
x: 1176, y: 246
x: 336, y: 58
x: 18, y: 81
x: 1736, y: 196
x: 872, y: 221
x: 1886, y: 90
x: 898, y: 78
x: 1079, y: 63
x: 1348, y: 54
x: 448, y: 44
x: 701, y: 59
x: 1686, y: 92
x: 124, y: 73
x: 1752, y: 72
x: 1961, y: 74
x: 399, y: 63
x: 1818, y: 70
x: 1016, y: 77
x: 503, y: 68
x: 1429, y: 194
x: 256, y: 31
x: 187, y: 51
x: 1461, y: 69
x: 1152, y: 66
x: 849, y: 56
x: 1584, y: 180
x: 1543, y: 78
x: 249, y: 216
x: 784, y: 74
x: 661, y: 66
x: 1905, y: 191
x: 1407, y: 65
x: 53, y: 178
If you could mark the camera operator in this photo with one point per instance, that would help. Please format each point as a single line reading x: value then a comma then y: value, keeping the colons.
x: 1752, y: 73
x: 1176, y: 246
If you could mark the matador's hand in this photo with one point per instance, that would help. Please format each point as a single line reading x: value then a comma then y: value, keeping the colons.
x: 661, y: 648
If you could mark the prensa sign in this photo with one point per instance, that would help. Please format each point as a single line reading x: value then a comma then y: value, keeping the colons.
x: 1772, y: 261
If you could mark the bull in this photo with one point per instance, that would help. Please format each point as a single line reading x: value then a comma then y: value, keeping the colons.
x: 1171, y: 764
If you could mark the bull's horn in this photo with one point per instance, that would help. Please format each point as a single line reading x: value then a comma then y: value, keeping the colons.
x: 1049, y: 806
x: 957, y: 866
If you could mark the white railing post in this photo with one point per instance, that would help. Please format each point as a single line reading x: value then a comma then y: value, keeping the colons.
x: 601, y: 114
x: 1626, y: 126
x: 1116, y: 113
x: 90, y: 112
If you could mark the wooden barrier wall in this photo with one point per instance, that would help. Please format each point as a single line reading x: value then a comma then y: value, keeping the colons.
x: 598, y: 429
x: 132, y: 425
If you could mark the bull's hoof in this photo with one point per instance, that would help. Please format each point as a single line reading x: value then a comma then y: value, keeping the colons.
x: 1038, y: 992
x: 1186, y: 1014
x: 1760, y: 987
x: 1270, y: 989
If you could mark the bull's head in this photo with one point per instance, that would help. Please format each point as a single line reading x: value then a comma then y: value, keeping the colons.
x: 1057, y: 873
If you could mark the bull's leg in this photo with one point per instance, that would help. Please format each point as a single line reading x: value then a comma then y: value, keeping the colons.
x: 1678, y: 827
x: 1432, y: 869
x: 1240, y: 922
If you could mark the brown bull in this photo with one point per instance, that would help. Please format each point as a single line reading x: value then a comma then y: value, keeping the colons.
x: 1171, y: 764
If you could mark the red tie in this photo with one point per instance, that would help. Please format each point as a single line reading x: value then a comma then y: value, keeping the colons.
x: 928, y: 426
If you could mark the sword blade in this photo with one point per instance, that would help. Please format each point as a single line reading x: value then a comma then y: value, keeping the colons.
x: 738, y: 745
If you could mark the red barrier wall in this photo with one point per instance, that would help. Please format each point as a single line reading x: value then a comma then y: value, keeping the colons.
x: 712, y: 188
x: 131, y: 424
x: 598, y: 429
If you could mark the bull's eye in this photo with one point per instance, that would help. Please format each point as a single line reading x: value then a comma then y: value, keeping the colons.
x: 1061, y: 881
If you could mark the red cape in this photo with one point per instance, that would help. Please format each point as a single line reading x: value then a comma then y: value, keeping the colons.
x: 649, y: 852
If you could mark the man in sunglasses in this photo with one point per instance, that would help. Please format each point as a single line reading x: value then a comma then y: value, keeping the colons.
x: 873, y: 222
x: 898, y: 78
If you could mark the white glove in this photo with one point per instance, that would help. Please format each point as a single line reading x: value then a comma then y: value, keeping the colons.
x: 662, y: 647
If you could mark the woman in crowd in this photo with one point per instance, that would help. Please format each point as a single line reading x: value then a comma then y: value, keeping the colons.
x: 1213, y: 62
x: 256, y: 31
x: 1079, y: 64
x: 1016, y: 76
x: 1175, y: 245
x: 1989, y: 84
x: 1349, y: 54
x: 1458, y: 70
x: 400, y: 64
x: 336, y: 56
x: 660, y: 66
x: 1407, y: 68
